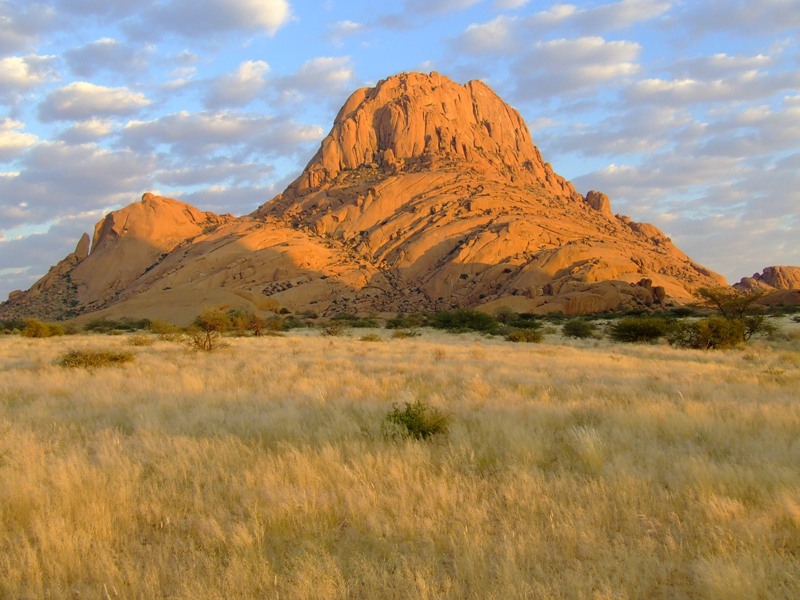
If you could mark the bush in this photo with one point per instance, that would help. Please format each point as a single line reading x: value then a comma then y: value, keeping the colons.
x: 334, y: 328
x: 372, y: 337
x: 356, y: 321
x: 35, y: 328
x: 401, y: 334
x: 531, y: 336
x: 402, y: 321
x: 140, y: 340
x: 712, y: 333
x: 464, y: 319
x: 110, y: 325
x: 164, y: 330
x: 638, y: 329
x: 578, y: 328
x: 94, y: 358
x: 417, y: 420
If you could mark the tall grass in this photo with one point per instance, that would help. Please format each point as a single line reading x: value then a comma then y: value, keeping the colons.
x: 570, y: 470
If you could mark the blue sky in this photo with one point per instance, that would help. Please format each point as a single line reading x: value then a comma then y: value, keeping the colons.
x: 686, y: 113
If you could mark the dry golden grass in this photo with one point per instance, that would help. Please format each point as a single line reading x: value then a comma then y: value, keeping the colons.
x: 571, y: 470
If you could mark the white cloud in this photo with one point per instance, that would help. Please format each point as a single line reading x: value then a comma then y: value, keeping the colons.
x: 58, y: 179
x: 437, y: 6
x: 105, y: 54
x: 194, y: 135
x: 194, y: 18
x: 21, y: 73
x: 746, y: 85
x: 240, y: 87
x: 321, y: 77
x: 770, y: 17
x: 21, y: 23
x: 87, y: 131
x: 13, y: 140
x: 509, y: 4
x: 342, y: 29
x: 569, y: 66
x: 84, y: 101
x: 497, y: 36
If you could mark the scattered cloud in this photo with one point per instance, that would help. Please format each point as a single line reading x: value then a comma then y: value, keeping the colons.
x: 57, y: 179
x: 22, y: 23
x: 193, y: 19
x: 571, y: 66
x: 22, y: 73
x: 498, y: 36
x: 509, y: 4
x: 84, y: 101
x: 87, y: 131
x: 340, y: 30
x: 13, y: 140
x: 324, y: 77
x: 240, y: 87
x: 192, y: 135
x: 105, y: 54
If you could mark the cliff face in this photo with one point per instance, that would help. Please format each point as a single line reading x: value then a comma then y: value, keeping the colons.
x: 426, y: 194
x: 415, y: 123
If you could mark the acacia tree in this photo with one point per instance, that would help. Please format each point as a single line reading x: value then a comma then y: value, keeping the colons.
x: 734, y: 305
x: 731, y: 303
x: 211, y: 324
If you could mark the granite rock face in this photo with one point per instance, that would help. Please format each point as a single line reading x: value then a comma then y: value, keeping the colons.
x: 425, y: 195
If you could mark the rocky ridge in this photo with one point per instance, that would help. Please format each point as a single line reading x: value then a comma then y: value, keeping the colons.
x: 426, y: 194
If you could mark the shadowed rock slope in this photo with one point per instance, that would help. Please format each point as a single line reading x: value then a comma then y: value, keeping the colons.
x: 426, y: 194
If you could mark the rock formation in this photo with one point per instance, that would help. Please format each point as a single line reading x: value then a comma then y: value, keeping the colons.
x: 426, y: 194
x: 779, y: 278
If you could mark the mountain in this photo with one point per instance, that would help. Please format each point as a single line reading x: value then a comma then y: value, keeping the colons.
x: 426, y: 194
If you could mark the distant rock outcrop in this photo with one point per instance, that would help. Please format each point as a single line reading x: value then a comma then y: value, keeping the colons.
x: 779, y: 278
x: 425, y: 195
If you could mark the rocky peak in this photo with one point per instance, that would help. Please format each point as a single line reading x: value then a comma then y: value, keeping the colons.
x: 414, y: 121
x: 778, y: 277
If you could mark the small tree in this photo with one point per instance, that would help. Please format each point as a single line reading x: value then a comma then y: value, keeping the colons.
x: 713, y: 333
x: 738, y: 306
x: 211, y: 324
x: 731, y: 303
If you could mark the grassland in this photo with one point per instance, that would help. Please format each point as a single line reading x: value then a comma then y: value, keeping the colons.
x: 571, y: 470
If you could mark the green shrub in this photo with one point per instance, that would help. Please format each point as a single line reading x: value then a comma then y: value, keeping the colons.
x: 110, y: 325
x: 417, y: 420
x: 94, y: 358
x: 578, y: 328
x: 638, y: 329
x: 402, y: 321
x: 293, y: 322
x: 464, y: 319
x: 165, y: 331
x: 531, y: 336
x: 712, y: 333
x: 371, y: 337
x: 333, y: 328
x: 34, y: 328
x: 401, y: 334
x: 12, y: 325
x: 141, y: 340
x: 356, y: 321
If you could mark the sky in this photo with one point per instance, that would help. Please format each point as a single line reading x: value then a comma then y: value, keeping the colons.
x: 686, y: 113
